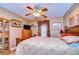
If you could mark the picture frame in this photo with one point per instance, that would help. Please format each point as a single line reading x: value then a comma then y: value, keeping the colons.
x: 56, y: 25
x: 16, y: 23
x: 77, y: 18
x: 72, y: 21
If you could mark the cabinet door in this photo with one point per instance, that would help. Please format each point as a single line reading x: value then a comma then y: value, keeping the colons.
x: 6, y: 34
x: 26, y: 34
x: 1, y: 35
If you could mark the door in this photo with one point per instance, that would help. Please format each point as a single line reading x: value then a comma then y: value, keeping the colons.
x: 44, y: 28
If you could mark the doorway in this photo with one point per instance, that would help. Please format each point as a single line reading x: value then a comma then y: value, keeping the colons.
x: 44, y: 28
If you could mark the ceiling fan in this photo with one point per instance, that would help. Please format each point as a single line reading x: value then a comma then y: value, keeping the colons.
x: 37, y: 11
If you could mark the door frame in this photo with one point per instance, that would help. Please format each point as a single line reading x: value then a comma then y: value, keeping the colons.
x: 48, y: 27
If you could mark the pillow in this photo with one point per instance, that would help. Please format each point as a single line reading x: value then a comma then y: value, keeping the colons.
x: 68, y: 34
x: 65, y: 34
x: 70, y: 39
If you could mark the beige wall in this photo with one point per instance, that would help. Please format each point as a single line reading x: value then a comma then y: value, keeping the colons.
x: 34, y: 28
x: 72, y: 12
x: 52, y: 32
x: 14, y: 32
x: 56, y: 20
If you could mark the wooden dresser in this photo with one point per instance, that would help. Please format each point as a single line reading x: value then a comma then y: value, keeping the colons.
x: 25, y: 35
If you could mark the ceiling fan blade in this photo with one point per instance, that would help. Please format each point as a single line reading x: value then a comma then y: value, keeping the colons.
x: 45, y: 9
x: 44, y: 16
x: 30, y: 8
x: 28, y: 14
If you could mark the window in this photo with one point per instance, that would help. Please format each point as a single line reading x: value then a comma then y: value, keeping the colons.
x: 56, y: 26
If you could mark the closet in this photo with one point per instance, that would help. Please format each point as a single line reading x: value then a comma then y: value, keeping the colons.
x: 4, y: 34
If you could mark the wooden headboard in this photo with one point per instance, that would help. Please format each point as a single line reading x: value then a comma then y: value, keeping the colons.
x: 73, y: 30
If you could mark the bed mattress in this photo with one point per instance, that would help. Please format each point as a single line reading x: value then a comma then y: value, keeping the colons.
x: 45, y: 46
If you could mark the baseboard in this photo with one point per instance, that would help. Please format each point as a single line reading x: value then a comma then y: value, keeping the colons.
x: 12, y: 49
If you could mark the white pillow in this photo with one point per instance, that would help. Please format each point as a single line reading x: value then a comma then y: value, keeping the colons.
x: 70, y: 39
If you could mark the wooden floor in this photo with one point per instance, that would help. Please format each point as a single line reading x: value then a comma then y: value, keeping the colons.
x: 7, y: 52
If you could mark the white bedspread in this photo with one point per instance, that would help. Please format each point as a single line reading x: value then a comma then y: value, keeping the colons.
x: 45, y: 46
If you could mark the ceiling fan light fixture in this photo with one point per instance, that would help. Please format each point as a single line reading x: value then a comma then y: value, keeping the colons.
x: 36, y: 14
x: 39, y: 11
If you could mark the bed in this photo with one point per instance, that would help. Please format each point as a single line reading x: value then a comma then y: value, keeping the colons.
x: 71, y: 35
x: 45, y: 46
x: 51, y: 45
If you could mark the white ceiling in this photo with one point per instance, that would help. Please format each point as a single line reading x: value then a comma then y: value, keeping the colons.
x: 54, y: 9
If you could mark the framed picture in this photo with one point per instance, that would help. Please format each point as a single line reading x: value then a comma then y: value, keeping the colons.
x: 72, y: 21
x: 78, y: 18
x: 16, y: 23
x: 56, y: 26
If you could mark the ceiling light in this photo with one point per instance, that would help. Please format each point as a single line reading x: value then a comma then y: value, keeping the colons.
x: 36, y: 14
x: 39, y: 11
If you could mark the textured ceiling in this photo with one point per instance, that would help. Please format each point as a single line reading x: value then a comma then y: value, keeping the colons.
x: 54, y: 9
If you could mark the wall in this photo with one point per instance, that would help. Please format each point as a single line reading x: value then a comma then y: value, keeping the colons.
x: 14, y: 31
x: 52, y: 32
x: 34, y: 28
x: 56, y: 20
x: 72, y: 12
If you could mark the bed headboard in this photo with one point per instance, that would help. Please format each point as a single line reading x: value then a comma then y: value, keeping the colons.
x: 73, y: 30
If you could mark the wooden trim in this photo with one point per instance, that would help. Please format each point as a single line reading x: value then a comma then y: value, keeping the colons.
x: 9, y: 34
x: 2, y: 34
x: 48, y: 27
